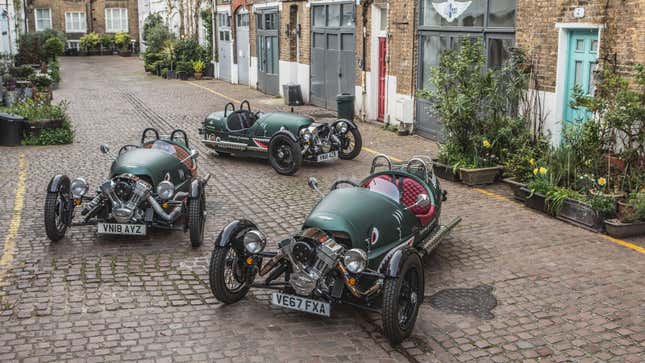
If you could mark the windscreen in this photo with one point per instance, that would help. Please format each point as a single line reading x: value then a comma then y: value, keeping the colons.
x: 385, y: 187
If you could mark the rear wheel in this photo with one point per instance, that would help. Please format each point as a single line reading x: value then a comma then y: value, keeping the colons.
x: 351, y: 145
x: 228, y: 279
x: 285, y: 155
x: 402, y: 297
x: 196, y: 220
x: 55, y: 215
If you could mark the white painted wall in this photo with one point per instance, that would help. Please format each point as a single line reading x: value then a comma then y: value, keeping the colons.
x: 253, y: 73
x: 298, y: 73
x: 8, y: 32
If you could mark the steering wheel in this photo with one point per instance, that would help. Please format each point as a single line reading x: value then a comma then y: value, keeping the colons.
x: 248, y: 105
x: 126, y: 148
x: 226, y: 108
x: 183, y: 134
x: 342, y: 181
x: 144, y: 136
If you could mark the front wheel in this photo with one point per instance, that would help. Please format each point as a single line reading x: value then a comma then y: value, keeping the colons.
x: 402, y: 297
x: 285, y: 155
x: 228, y: 279
x: 55, y: 215
x: 196, y: 220
x: 351, y: 145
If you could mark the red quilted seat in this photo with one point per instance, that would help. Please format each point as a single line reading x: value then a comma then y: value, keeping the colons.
x: 411, y: 190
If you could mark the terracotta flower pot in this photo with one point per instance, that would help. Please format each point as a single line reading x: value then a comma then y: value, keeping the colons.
x: 480, y: 176
x: 198, y: 76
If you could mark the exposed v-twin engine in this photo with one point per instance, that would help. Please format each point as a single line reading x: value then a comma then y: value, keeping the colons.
x: 137, y: 190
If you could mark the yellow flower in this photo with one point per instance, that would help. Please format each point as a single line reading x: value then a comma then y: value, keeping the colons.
x: 486, y: 144
x: 602, y: 181
x: 543, y: 170
x: 532, y: 162
x: 535, y: 171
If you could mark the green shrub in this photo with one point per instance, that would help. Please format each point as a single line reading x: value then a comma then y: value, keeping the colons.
x: 32, y: 110
x: 189, y: 50
x: 184, y: 67
x: 54, y: 71
x: 155, y: 33
x: 122, y: 41
x: 90, y: 41
x: 59, y: 136
x: 41, y: 81
x: 31, y: 46
x: 54, y: 47
x: 106, y: 40
x: 22, y: 72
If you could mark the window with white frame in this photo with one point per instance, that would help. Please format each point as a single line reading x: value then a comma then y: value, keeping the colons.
x: 74, y: 44
x: 75, y: 22
x: 116, y: 20
x: 43, y: 19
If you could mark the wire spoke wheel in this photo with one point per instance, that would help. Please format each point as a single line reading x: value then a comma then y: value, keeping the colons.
x: 351, y: 144
x: 229, y: 279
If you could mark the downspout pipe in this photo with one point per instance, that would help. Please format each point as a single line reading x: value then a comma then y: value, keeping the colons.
x: 365, y: 4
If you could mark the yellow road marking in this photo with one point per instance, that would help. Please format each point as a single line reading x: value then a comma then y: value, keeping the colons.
x: 371, y: 151
x: 9, y: 242
x: 214, y: 92
x: 608, y: 238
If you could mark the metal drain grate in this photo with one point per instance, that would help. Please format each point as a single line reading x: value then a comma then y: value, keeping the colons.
x: 478, y: 301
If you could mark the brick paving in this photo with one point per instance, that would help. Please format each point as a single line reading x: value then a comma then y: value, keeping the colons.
x: 564, y: 294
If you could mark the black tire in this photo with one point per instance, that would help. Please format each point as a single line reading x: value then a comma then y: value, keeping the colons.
x: 196, y: 220
x: 285, y: 155
x: 54, y: 221
x: 400, y: 309
x: 223, y: 154
x: 221, y: 259
x: 351, y: 146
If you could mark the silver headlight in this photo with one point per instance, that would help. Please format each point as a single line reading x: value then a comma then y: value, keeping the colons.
x: 306, y: 135
x: 355, y: 260
x: 79, y: 187
x: 254, y: 241
x: 342, y: 127
x: 165, y: 190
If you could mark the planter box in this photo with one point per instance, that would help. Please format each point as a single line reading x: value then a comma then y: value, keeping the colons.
x: 36, y: 127
x: 616, y: 228
x: 519, y: 189
x: 444, y: 171
x: 537, y: 201
x: 480, y: 176
x: 580, y: 214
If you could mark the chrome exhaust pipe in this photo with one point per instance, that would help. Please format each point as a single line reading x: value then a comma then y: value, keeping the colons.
x: 438, y: 236
x: 162, y: 213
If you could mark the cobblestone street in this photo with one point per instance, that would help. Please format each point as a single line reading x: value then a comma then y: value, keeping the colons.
x: 563, y: 293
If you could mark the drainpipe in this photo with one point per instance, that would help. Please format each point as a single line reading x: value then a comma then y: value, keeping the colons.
x: 365, y: 4
x: 214, y: 31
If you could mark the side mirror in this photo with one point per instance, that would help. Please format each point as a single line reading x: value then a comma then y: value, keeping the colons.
x: 423, y: 200
x: 104, y: 149
x: 313, y: 184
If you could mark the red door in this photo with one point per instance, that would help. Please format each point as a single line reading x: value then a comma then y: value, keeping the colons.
x: 382, y: 51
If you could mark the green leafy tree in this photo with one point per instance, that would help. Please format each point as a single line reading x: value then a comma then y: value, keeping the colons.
x: 54, y: 47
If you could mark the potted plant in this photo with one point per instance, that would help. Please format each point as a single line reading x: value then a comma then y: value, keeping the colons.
x: 198, y: 67
x: 11, y: 95
x: 632, y: 221
x: 536, y: 190
x: 168, y: 57
x: 106, y: 42
x: 122, y: 41
x: 42, y: 87
x: 54, y: 47
x: 90, y: 42
x: 184, y: 70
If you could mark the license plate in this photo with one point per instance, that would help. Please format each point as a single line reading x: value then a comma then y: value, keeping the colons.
x: 300, y: 303
x: 328, y: 156
x: 120, y: 228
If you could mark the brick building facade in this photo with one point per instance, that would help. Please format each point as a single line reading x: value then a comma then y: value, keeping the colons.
x: 382, y: 51
x: 79, y: 17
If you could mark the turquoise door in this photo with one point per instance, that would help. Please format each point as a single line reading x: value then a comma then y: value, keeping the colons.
x: 582, y: 60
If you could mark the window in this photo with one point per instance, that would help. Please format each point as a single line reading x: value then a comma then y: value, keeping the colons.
x: 74, y: 44
x: 75, y: 22
x: 223, y: 20
x: 43, y: 19
x: 116, y: 20
x: 383, y: 19
x: 447, y: 13
x: 334, y: 15
x: 243, y: 20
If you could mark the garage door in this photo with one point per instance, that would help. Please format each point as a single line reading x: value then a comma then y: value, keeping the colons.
x: 268, y: 51
x: 333, y: 52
